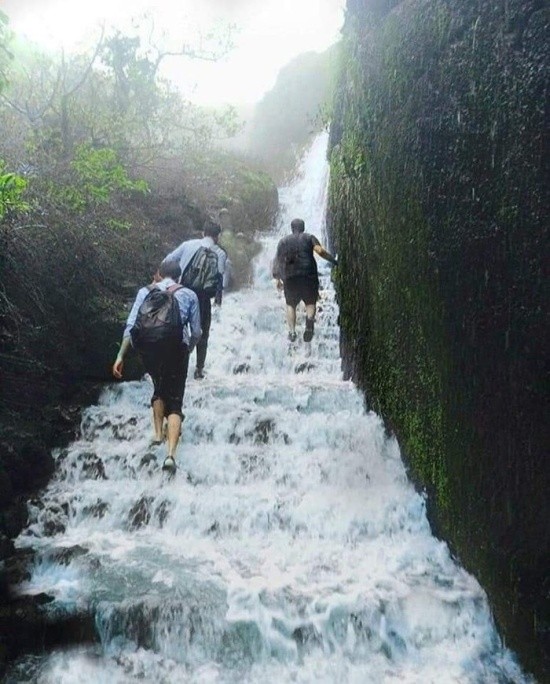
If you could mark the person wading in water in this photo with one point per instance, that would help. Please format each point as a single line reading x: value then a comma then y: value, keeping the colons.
x: 164, y: 326
x: 295, y: 268
x: 186, y: 254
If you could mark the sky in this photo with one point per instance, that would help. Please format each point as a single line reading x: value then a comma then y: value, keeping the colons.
x: 267, y: 35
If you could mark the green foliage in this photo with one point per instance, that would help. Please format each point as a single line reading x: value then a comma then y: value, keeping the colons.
x: 12, y: 188
x: 98, y: 175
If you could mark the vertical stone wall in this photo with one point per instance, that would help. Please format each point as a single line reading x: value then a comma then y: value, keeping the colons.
x: 439, y: 211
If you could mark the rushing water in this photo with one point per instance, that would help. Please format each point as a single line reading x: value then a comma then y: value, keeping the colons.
x: 290, y: 547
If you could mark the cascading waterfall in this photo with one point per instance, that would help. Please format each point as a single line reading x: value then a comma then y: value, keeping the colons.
x: 290, y: 547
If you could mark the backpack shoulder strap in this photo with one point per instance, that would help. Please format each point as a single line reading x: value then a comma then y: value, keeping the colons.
x: 192, y: 259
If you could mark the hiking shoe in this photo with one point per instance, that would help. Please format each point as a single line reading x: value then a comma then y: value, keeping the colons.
x: 292, y: 336
x: 169, y: 465
x: 308, y: 332
x: 199, y: 374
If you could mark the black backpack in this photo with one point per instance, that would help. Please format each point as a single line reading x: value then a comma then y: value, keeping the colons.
x: 158, y: 318
x: 287, y: 259
x: 201, y: 274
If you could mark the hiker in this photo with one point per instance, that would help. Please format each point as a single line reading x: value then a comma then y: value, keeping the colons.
x: 164, y: 326
x: 295, y: 270
x: 190, y: 254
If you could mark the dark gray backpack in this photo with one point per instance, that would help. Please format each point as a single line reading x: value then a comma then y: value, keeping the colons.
x: 158, y: 318
x: 201, y: 274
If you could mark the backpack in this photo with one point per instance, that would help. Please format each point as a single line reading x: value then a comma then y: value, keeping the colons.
x: 201, y: 274
x: 288, y: 260
x: 158, y: 318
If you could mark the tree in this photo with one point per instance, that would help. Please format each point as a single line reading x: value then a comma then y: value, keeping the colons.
x: 5, y: 54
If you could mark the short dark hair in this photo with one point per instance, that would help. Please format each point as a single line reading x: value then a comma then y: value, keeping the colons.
x: 170, y: 269
x: 297, y: 225
x: 212, y: 229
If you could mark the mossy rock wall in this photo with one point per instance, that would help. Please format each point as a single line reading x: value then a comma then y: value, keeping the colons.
x: 438, y: 210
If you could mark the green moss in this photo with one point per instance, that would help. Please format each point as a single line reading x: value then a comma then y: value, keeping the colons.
x: 435, y: 211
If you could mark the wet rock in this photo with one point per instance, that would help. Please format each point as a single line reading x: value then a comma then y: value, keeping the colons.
x: 241, y: 368
x: 53, y: 520
x: 93, y: 467
x: 162, y: 512
x: 64, y: 556
x: 17, y: 567
x: 6, y: 547
x: 96, y: 510
x: 14, y: 518
x: 140, y: 513
x: 214, y: 528
x: 121, y: 431
x: 147, y: 460
x: 53, y: 527
x: 24, y: 625
x: 304, y: 367
x: 263, y: 430
x: 306, y: 636
x: 6, y: 488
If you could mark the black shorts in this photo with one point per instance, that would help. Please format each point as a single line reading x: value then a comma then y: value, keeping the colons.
x: 301, y: 289
x: 167, y: 363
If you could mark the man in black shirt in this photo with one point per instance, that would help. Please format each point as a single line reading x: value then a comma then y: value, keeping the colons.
x: 296, y: 268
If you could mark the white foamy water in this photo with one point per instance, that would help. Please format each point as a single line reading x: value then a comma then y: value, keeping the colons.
x: 290, y: 547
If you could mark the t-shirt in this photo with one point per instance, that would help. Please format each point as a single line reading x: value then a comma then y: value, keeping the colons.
x: 295, y: 256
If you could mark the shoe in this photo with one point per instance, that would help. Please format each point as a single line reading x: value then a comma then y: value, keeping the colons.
x: 199, y: 374
x: 292, y: 336
x: 169, y: 465
x: 308, y: 332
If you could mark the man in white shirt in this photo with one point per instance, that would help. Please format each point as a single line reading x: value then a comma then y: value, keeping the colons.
x: 166, y: 359
x: 183, y: 255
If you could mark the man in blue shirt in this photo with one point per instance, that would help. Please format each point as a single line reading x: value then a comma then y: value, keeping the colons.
x: 183, y: 254
x: 166, y: 361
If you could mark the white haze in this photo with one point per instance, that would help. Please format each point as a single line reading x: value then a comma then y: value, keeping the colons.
x: 267, y: 35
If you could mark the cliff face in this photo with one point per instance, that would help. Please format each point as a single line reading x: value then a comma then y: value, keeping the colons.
x: 438, y: 202
x: 287, y: 116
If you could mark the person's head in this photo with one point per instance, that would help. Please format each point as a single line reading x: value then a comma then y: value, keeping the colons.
x: 170, y: 269
x: 212, y: 229
x: 297, y: 226
x: 224, y: 219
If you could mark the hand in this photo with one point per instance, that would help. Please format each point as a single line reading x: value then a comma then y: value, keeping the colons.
x: 280, y: 284
x: 218, y: 300
x: 117, y: 368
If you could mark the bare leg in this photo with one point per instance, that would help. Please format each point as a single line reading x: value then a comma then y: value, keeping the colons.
x: 174, y: 429
x: 158, y: 419
x: 291, y: 318
x: 310, y: 318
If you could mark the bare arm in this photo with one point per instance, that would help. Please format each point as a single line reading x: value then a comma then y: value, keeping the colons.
x: 322, y: 252
x: 119, y: 362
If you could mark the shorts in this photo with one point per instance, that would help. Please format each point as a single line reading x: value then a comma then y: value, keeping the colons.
x: 167, y: 363
x: 301, y: 289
